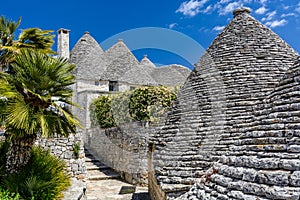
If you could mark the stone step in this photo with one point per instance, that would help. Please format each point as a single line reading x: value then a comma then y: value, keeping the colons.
x: 96, y: 167
x: 110, y: 190
x: 95, y: 162
x: 91, y: 159
x: 102, y: 175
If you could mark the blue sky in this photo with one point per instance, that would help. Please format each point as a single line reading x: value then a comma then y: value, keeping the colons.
x: 200, y: 20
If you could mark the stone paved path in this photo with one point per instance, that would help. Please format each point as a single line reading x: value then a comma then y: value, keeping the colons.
x: 105, y: 184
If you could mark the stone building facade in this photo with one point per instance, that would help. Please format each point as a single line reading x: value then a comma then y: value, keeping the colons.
x: 100, y: 72
x: 116, y: 69
x: 230, y: 128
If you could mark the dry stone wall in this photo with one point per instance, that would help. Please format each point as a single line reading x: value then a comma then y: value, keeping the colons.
x: 123, y: 148
x: 63, y: 148
x: 240, y: 68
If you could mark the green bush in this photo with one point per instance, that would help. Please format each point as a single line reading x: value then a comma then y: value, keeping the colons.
x: 150, y: 103
x: 101, y: 112
x: 76, y: 149
x: 120, y: 107
x: 42, y: 178
x: 6, y: 195
x: 146, y: 104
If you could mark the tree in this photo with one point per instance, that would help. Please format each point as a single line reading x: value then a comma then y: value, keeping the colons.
x: 30, y: 108
x: 33, y: 38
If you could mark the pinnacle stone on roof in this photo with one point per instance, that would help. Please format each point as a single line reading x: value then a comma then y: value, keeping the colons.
x: 241, y: 10
x: 147, y: 61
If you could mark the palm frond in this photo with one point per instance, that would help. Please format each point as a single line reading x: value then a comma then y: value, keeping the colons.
x: 7, y: 90
x: 36, y: 80
x: 18, y: 114
x: 7, y: 29
x: 36, y: 38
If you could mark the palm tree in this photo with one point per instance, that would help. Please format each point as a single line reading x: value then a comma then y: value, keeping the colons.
x: 34, y: 38
x: 30, y: 109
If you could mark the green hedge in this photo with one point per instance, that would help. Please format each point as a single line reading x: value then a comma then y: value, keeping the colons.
x: 146, y: 104
x: 150, y: 103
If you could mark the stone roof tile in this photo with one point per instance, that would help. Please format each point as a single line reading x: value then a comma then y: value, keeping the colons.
x: 140, y: 75
x: 168, y: 75
x: 264, y: 154
x: 88, y: 57
x: 121, y: 60
x: 239, y: 69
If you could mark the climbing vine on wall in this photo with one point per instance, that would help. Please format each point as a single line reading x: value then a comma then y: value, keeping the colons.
x: 146, y: 104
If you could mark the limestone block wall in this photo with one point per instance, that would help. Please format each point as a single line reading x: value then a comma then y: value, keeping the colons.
x: 63, y: 148
x: 123, y: 148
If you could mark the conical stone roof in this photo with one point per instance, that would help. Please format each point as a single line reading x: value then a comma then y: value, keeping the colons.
x: 140, y: 75
x: 146, y: 62
x: 239, y: 69
x: 121, y: 60
x: 88, y: 57
x: 183, y: 70
x: 263, y: 162
x: 168, y: 75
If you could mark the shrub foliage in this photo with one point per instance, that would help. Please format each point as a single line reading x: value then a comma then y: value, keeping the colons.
x: 150, y: 103
x: 42, y: 178
x: 101, y: 112
x: 146, y: 104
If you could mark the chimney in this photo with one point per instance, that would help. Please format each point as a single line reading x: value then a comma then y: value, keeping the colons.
x: 63, y: 43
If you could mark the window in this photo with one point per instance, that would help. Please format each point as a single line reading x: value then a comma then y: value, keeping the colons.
x: 113, y: 86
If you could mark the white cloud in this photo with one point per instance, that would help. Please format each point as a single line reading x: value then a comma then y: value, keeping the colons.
x: 261, y: 10
x: 263, y: 2
x: 191, y: 8
x: 218, y: 28
x: 285, y: 7
x: 288, y: 15
x: 230, y: 7
x: 270, y: 15
x: 277, y: 23
x: 171, y: 26
x: 224, y: 1
x: 298, y: 8
x: 208, y: 9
